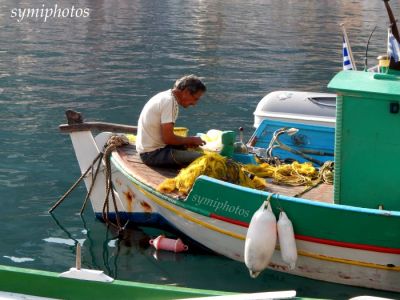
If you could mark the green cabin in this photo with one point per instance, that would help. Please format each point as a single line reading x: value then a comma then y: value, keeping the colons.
x: 367, y: 141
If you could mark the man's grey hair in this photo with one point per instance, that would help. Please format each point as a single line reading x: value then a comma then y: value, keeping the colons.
x: 191, y: 82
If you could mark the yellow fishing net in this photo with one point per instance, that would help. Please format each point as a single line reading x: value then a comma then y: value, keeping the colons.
x: 219, y: 167
x: 292, y: 174
x: 215, y: 166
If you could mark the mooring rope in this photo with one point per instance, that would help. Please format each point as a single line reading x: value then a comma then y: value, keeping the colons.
x: 113, y: 143
x: 75, y: 184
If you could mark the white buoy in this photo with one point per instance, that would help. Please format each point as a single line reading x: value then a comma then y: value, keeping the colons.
x: 260, y: 240
x: 287, y: 240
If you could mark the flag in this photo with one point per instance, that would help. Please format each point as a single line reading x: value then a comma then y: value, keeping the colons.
x: 393, y: 47
x: 347, y: 63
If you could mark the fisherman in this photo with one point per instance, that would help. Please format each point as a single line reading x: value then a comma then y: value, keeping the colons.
x: 156, y: 142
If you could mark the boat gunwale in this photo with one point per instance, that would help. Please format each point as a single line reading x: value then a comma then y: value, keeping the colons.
x: 13, y: 276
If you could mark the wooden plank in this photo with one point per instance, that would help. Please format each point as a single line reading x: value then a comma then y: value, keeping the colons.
x: 322, y: 192
x: 150, y: 176
x: 76, y: 123
x: 99, y: 126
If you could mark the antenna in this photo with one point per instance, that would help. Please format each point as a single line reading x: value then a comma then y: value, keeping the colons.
x: 366, y: 50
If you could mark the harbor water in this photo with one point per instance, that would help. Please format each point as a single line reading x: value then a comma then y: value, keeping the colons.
x: 106, y: 58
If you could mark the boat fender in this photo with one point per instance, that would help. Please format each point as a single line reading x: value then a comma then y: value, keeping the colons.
x: 163, y: 243
x: 260, y: 240
x: 287, y: 240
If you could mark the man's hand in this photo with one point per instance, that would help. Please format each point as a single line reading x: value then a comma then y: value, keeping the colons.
x: 195, y: 141
x: 169, y: 137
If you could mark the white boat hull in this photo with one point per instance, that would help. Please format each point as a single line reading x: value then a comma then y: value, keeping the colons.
x: 298, y: 107
x: 316, y: 261
x: 139, y: 203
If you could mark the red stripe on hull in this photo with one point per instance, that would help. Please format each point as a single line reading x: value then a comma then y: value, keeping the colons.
x: 319, y: 240
x: 229, y: 220
x: 347, y: 245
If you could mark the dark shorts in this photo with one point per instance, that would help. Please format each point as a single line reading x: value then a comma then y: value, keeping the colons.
x: 169, y: 156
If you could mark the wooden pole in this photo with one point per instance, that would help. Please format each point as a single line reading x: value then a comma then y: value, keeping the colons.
x: 78, y: 256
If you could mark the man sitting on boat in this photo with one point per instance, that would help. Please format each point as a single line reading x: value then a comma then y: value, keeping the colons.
x: 156, y: 142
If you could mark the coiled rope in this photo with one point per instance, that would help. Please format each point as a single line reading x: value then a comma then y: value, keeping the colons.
x: 295, y: 174
x: 325, y: 175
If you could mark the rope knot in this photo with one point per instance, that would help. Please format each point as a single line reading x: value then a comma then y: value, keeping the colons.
x: 116, y: 141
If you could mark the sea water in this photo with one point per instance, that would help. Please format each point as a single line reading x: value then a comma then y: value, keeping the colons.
x: 106, y: 58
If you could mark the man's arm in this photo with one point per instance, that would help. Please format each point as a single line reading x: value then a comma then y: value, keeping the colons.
x: 169, y: 137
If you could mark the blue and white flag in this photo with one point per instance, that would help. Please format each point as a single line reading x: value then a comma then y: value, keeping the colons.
x: 347, y: 63
x: 393, y: 47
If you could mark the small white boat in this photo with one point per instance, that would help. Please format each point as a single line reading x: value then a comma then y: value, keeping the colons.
x: 299, y: 107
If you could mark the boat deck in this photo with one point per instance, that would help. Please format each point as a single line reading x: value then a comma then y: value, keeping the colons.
x: 152, y: 176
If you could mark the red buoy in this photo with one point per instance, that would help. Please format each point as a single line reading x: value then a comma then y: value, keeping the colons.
x: 163, y: 243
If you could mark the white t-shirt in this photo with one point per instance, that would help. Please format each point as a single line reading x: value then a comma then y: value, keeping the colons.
x: 160, y: 109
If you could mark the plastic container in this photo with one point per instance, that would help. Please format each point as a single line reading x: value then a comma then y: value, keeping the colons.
x: 181, y: 131
x: 131, y: 138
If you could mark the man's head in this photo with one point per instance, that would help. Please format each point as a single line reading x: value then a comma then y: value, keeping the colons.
x: 188, y: 90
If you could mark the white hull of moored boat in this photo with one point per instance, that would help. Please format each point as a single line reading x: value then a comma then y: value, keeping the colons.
x: 298, y: 107
x: 136, y: 201
x: 316, y: 261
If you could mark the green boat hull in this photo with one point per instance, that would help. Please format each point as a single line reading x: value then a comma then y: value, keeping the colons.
x: 49, y: 284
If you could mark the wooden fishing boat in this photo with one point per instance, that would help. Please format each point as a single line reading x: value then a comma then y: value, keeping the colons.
x: 348, y: 234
